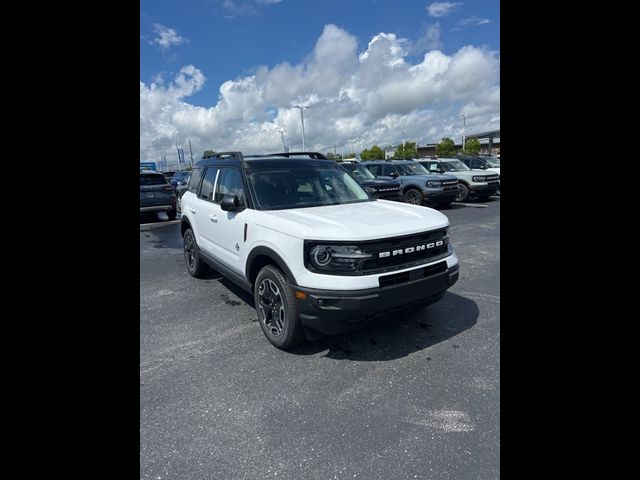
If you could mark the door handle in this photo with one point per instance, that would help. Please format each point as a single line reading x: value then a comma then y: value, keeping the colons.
x: 193, y: 210
x: 213, y: 218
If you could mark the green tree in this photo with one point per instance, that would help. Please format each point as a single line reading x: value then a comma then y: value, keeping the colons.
x: 349, y: 155
x: 333, y: 156
x: 471, y: 147
x: 406, y: 150
x: 208, y: 152
x: 374, y: 153
x: 446, y: 148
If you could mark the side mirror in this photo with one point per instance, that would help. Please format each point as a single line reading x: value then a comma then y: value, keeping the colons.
x: 394, y: 175
x: 229, y: 203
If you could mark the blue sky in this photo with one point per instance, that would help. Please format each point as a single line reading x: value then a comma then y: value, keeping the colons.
x: 262, y: 47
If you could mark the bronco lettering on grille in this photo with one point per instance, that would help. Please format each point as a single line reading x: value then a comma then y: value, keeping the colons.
x: 417, y: 248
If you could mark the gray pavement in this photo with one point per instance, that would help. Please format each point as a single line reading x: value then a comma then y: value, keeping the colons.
x: 409, y: 397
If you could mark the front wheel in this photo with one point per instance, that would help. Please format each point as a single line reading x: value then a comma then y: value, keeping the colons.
x: 463, y: 193
x: 276, y: 308
x: 413, y: 196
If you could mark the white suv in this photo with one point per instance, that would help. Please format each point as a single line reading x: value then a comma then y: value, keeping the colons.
x: 319, y: 254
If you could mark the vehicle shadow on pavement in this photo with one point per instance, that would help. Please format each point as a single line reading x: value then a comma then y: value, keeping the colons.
x: 397, y: 335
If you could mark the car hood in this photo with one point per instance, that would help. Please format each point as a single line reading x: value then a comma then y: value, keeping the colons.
x: 375, y: 182
x: 355, y: 221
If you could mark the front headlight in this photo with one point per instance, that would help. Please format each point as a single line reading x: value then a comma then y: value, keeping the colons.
x: 371, y: 189
x: 336, y: 258
x: 434, y: 184
x: 479, y: 179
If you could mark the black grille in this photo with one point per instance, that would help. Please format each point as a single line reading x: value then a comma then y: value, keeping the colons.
x: 396, y: 245
x: 412, y: 275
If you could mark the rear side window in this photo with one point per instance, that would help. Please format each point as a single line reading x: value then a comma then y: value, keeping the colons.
x: 208, y: 182
x: 196, y: 175
x: 153, y: 179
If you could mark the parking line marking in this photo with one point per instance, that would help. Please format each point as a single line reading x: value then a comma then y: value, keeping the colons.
x: 470, y: 205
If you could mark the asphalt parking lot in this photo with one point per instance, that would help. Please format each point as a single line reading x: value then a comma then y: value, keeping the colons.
x: 409, y: 397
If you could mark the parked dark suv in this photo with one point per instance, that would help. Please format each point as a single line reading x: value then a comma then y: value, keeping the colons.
x: 378, y: 187
x: 417, y: 184
x: 156, y: 194
x: 179, y: 178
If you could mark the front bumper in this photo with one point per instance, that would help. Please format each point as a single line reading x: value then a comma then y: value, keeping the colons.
x: 440, y: 195
x: 333, y: 312
x: 485, y: 189
x: 156, y: 208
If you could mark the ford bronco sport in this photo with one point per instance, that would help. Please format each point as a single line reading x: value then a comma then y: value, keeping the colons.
x: 318, y: 252
x: 418, y: 185
x: 479, y: 183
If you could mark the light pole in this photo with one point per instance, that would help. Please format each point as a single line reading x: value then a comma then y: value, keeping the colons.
x: 302, y: 120
x: 284, y: 149
x: 404, y: 136
x: 464, y: 124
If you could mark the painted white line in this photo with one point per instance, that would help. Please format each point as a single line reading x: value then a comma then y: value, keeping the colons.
x: 477, y: 205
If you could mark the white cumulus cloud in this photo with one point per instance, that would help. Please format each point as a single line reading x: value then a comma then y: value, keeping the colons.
x: 474, y: 21
x: 166, y: 37
x: 442, y: 9
x: 357, y: 98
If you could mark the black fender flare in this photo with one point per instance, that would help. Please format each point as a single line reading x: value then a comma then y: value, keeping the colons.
x: 267, y: 252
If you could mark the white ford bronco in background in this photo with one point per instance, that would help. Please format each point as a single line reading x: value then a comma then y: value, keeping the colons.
x: 319, y: 253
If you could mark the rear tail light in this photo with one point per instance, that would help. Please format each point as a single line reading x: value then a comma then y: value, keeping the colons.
x: 167, y: 188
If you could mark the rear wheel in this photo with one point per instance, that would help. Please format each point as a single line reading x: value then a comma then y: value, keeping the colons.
x: 195, y: 265
x: 276, y: 308
x: 413, y: 196
x: 463, y: 193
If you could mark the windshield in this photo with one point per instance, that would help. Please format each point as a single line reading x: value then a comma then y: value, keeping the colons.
x: 153, y: 179
x: 304, y: 187
x: 456, y: 165
x: 411, y: 169
x: 493, y: 162
x: 358, y: 171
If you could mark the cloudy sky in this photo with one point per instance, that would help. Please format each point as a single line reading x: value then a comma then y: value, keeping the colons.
x: 226, y: 73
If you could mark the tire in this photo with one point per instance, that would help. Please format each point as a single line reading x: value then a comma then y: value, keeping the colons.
x: 171, y: 213
x: 277, y: 309
x: 463, y: 193
x: 195, y: 265
x: 413, y: 197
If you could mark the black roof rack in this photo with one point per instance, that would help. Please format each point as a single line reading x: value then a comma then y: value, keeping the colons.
x: 225, y: 155
x: 314, y: 155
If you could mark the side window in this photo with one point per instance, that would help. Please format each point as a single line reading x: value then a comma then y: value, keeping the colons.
x: 208, y: 182
x: 194, y: 182
x: 433, y: 167
x: 388, y: 170
x: 230, y: 183
x: 475, y: 163
x: 375, y: 169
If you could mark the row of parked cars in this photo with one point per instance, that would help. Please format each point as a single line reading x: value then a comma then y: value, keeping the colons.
x: 432, y: 181
x: 436, y: 182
